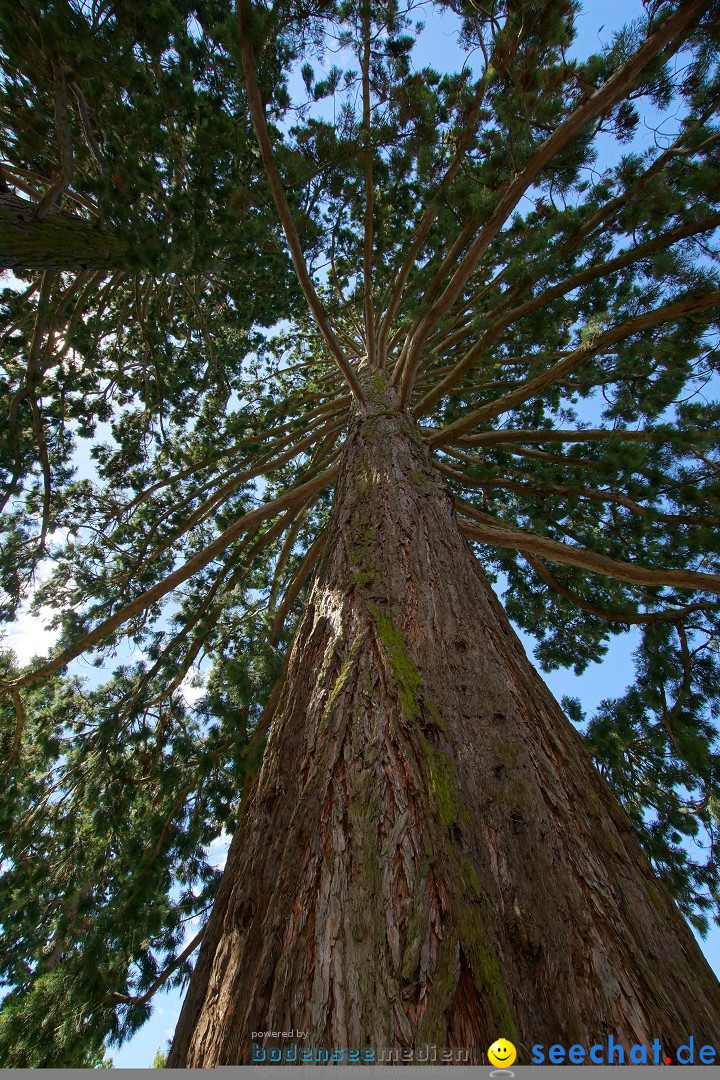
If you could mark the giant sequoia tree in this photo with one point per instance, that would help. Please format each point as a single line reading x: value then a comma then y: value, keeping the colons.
x: 311, y: 344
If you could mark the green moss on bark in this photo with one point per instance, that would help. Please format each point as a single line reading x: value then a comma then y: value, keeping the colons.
x: 342, y: 678
x: 477, y: 936
x: 444, y: 787
x: 475, y: 923
x: 432, y: 1029
x: 408, y: 681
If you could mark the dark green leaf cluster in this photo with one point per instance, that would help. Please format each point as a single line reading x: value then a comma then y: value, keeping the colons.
x: 175, y: 417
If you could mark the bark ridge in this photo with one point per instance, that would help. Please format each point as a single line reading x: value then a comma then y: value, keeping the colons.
x: 429, y: 857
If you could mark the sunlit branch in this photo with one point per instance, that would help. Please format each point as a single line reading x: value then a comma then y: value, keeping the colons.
x: 202, y: 630
x: 591, y: 347
x: 368, y: 239
x: 454, y: 253
x: 62, y: 124
x: 41, y: 320
x: 430, y: 213
x: 583, y: 277
x: 601, y: 217
x: 84, y: 112
x: 46, y: 329
x: 284, y: 555
x: 603, y: 213
x: 298, y: 580
x: 628, y: 617
x: 265, y: 465
x: 566, y: 461
x: 20, y: 720
x: 257, y: 116
x: 332, y: 408
x: 684, y: 690
x: 41, y: 443
x: 193, y: 625
x: 530, y: 435
x: 669, y: 36
x: 172, y: 581
x: 165, y: 975
x: 495, y: 533
x: 204, y: 618
x: 542, y: 491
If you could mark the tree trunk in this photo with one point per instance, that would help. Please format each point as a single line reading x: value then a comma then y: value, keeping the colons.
x: 57, y: 242
x: 429, y: 857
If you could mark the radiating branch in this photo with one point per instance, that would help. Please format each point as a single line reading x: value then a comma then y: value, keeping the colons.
x: 502, y: 318
x: 62, y: 124
x: 595, y: 344
x: 489, y: 530
x: 165, y: 975
x: 543, y: 491
x: 538, y: 435
x: 669, y: 37
x: 299, y: 578
x: 172, y: 581
x: 257, y: 116
x: 430, y: 213
x: 20, y: 721
x: 368, y: 238
x: 628, y: 617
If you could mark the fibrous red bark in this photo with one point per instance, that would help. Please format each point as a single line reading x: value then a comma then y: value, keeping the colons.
x: 429, y: 857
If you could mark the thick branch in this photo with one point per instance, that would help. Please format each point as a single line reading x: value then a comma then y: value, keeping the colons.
x: 62, y: 124
x: 87, y: 125
x: 257, y: 116
x: 57, y: 242
x: 499, y: 535
x: 299, y: 579
x: 423, y: 227
x: 165, y: 975
x: 631, y: 618
x: 172, y: 581
x: 368, y: 240
x: 265, y: 466
x: 543, y: 491
x: 531, y: 435
x: 583, y: 277
x: 332, y: 408
x: 598, y: 343
x: 20, y: 721
x: 670, y: 33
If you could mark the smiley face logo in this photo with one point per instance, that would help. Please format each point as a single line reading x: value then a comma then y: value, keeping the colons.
x: 502, y: 1053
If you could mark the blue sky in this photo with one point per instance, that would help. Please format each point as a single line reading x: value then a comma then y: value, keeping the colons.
x: 608, y: 679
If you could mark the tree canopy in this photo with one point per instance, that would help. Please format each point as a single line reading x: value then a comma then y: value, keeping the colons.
x: 226, y: 221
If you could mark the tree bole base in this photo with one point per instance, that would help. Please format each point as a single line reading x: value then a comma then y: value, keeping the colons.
x: 429, y: 857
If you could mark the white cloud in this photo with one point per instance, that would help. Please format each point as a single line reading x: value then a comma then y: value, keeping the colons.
x: 8, y: 280
x: 218, y: 849
x: 30, y: 635
x: 192, y: 687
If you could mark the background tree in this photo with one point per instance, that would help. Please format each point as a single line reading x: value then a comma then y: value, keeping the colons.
x: 464, y: 289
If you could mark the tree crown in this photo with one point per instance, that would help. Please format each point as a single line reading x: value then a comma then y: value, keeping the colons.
x: 226, y: 219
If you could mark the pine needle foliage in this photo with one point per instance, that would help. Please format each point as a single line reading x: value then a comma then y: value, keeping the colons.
x: 222, y: 218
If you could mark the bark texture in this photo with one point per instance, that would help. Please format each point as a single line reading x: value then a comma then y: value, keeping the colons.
x: 429, y: 856
x: 57, y: 242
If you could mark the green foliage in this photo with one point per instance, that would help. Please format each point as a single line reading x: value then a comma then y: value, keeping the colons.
x: 42, y: 1027
x: 157, y: 409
